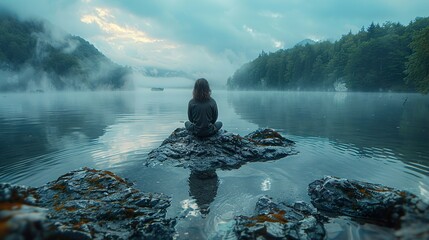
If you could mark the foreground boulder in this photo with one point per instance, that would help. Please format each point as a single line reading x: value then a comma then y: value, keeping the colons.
x: 333, y: 197
x: 224, y: 150
x: 83, y: 204
x: 280, y: 221
x: 374, y: 203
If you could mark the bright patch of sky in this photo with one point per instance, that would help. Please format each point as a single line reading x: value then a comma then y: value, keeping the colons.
x: 210, y: 38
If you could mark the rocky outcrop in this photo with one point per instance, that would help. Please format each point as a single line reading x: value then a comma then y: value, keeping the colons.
x: 404, y: 212
x: 224, y: 150
x: 83, y: 204
x: 280, y: 221
x: 94, y: 204
x: 374, y: 203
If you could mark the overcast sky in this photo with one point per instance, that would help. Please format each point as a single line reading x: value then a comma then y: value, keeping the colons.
x: 210, y: 38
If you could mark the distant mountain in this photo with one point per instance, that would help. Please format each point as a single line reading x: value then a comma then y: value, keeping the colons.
x: 305, y: 42
x: 163, y: 72
x: 36, y: 56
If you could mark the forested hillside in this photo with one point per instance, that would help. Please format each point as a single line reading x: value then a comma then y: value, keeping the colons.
x: 35, y: 56
x: 387, y: 57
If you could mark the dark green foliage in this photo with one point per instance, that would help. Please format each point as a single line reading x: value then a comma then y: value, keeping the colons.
x: 418, y: 63
x: 60, y: 63
x: 374, y: 59
x: 69, y: 62
x: 16, y: 47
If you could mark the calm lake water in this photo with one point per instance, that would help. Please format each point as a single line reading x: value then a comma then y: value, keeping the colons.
x: 374, y: 137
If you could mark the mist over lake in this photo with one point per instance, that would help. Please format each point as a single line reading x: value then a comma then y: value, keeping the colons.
x: 319, y: 128
x: 374, y: 137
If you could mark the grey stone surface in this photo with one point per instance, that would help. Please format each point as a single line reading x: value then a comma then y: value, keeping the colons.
x: 223, y: 150
x: 333, y: 197
x: 83, y: 204
x: 373, y: 203
x: 94, y: 204
x: 280, y: 221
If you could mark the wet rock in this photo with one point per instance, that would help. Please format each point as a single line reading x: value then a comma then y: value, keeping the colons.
x: 18, y: 216
x: 374, y: 203
x: 84, y: 204
x: 280, y: 221
x: 224, y: 150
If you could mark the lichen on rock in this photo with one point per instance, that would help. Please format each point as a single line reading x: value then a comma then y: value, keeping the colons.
x: 374, y: 203
x: 223, y: 150
x: 85, y: 204
x: 280, y: 221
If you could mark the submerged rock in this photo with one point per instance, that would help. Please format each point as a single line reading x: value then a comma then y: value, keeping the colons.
x: 374, y: 203
x: 84, y: 204
x: 280, y: 221
x: 223, y: 150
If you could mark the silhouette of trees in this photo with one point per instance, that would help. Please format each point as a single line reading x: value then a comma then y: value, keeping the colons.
x: 418, y: 62
x: 388, y: 57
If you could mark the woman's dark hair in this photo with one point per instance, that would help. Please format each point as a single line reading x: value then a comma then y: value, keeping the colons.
x: 202, y: 90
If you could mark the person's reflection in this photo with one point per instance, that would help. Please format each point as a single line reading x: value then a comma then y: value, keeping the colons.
x: 203, y: 188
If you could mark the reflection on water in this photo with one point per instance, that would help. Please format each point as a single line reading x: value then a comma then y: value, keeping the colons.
x: 203, y: 190
x: 42, y: 130
x: 370, y: 124
x: 379, y: 138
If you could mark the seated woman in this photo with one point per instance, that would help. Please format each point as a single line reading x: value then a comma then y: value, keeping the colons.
x: 202, y: 111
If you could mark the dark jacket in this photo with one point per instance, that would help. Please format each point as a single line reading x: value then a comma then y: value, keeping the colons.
x: 203, y: 115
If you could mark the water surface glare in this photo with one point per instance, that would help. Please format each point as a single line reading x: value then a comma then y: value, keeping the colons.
x: 374, y: 137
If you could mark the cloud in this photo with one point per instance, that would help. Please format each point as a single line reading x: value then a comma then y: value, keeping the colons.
x: 105, y: 21
x: 212, y: 37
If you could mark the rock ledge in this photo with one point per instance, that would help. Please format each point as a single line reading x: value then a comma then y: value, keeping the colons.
x: 224, y: 150
x: 84, y: 204
x: 406, y: 214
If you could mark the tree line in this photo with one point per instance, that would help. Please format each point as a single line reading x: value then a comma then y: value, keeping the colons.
x: 387, y: 57
x: 69, y: 62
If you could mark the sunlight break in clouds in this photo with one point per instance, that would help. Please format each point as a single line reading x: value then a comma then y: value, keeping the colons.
x: 103, y: 18
x: 278, y: 44
x: 136, y: 47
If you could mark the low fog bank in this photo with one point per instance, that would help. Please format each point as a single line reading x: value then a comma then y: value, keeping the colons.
x: 167, y: 78
x: 36, y: 56
x: 28, y: 79
x: 141, y: 81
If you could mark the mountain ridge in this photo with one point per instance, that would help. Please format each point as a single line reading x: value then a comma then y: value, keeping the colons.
x: 35, y: 55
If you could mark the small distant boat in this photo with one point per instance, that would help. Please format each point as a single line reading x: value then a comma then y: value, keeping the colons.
x: 157, y: 89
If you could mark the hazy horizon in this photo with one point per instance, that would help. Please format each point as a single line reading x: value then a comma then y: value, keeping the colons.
x: 212, y: 38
